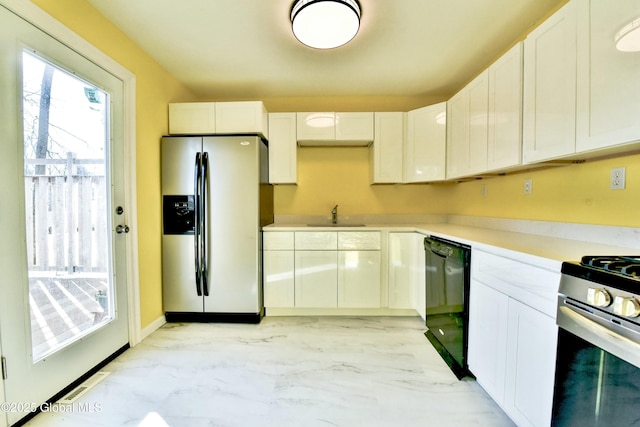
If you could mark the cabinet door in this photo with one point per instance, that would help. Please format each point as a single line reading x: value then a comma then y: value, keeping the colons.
x: 354, y: 126
x: 319, y: 126
x: 478, y: 124
x: 530, y: 369
x: 401, y: 254
x: 283, y: 165
x: 608, y: 80
x: 192, y: 118
x: 488, y: 314
x: 418, y: 274
x: 359, y: 279
x: 504, y: 147
x: 316, y: 279
x: 425, y: 147
x: 467, y: 125
x: 279, y: 288
x: 458, y: 134
x: 386, y: 150
x: 242, y: 117
x: 549, y: 116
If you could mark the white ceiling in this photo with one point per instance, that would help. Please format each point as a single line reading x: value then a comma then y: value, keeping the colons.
x: 244, y: 49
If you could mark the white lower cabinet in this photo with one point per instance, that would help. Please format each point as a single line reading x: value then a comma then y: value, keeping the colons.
x: 278, y: 269
x: 322, y: 269
x: 359, y: 279
x: 406, y: 272
x: 530, y: 369
x: 488, y: 314
x: 512, y: 345
x: 278, y: 278
x: 316, y: 279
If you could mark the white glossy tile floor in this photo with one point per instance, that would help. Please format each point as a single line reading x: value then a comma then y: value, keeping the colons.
x: 286, y: 371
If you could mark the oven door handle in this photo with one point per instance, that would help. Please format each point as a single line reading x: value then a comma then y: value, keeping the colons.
x: 610, y: 338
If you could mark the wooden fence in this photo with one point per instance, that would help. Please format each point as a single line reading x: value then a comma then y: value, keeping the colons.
x: 66, y: 218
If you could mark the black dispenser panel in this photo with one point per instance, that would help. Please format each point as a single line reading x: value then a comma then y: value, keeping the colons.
x: 178, y: 214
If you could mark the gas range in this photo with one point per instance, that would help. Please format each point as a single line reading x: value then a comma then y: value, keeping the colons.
x: 610, y: 284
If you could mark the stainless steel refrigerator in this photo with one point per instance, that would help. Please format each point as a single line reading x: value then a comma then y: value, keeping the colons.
x: 216, y: 198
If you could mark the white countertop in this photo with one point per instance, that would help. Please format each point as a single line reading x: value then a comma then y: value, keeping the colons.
x: 544, y: 251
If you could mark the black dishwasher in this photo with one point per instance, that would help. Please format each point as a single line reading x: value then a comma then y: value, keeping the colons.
x: 447, y: 300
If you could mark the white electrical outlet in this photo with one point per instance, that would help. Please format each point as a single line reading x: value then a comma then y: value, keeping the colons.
x: 485, y: 191
x: 528, y: 186
x: 617, y: 178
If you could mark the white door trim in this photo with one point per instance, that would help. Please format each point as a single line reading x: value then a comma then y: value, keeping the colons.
x: 59, y: 31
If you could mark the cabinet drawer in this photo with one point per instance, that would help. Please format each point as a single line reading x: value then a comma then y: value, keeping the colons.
x: 277, y: 241
x: 361, y: 240
x: 529, y: 284
x: 316, y: 240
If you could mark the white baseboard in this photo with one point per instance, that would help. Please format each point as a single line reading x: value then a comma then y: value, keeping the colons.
x: 152, y: 327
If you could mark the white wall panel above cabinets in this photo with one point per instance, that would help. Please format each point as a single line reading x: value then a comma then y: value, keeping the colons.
x: 425, y: 144
x: 608, y: 80
x: 549, y: 121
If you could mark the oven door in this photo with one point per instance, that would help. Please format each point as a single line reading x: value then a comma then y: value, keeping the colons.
x: 597, y: 369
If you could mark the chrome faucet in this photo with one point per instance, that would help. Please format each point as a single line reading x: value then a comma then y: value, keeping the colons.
x: 334, y: 215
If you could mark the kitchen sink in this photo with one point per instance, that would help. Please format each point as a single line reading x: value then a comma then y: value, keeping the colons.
x: 336, y: 225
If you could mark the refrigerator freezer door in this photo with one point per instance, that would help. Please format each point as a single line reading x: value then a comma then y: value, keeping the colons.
x: 178, y: 251
x: 178, y: 159
x: 233, y: 224
x: 178, y: 275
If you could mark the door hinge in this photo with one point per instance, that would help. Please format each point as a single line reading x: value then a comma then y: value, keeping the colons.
x: 3, y: 360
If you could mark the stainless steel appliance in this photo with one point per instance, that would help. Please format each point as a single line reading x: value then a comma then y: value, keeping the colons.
x: 598, y: 362
x: 216, y: 198
x: 447, y: 300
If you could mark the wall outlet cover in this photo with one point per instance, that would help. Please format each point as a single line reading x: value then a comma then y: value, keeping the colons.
x: 617, y: 179
x: 528, y: 186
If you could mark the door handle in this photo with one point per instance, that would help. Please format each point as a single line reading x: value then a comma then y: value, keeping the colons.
x: 122, y: 229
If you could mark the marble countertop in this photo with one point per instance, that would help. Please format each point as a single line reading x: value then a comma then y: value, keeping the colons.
x: 541, y: 250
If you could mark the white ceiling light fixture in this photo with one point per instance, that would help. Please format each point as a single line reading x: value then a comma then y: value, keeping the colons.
x: 628, y: 38
x: 325, y: 24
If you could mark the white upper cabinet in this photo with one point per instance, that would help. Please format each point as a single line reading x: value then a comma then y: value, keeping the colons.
x: 386, y: 150
x: 504, y: 147
x: 425, y: 144
x: 549, y: 116
x: 467, y: 129
x: 197, y: 118
x: 354, y: 127
x: 334, y: 129
x: 192, y: 118
x: 283, y: 167
x: 608, y: 80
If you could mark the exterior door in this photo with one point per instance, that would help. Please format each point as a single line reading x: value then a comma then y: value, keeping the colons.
x: 62, y: 255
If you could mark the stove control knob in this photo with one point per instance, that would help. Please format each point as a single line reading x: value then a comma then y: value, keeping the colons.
x: 626, y: 306
x: 598, y: 297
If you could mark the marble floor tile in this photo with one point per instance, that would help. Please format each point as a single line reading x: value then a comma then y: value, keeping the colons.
x: 286, y: 371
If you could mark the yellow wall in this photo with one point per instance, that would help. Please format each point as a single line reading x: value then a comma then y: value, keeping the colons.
x: 155, y: 89
x: 340, y: 175
x: 573, y: 193
x: 577, y: 193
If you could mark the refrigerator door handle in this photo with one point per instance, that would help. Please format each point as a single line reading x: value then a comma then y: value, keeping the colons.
x: 197, y: 177
x: 204, y: 256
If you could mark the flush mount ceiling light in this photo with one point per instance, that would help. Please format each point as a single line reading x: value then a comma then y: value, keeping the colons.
x: 325, y: 24
x: 628, y: 38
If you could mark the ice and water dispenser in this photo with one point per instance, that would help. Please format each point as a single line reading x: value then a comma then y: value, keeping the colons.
x: 179, y: 214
